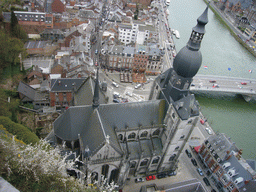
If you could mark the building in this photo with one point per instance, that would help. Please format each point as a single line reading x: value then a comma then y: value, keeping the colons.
x: 225, y: 166
x: 62, y: 91
x: 116, y: 140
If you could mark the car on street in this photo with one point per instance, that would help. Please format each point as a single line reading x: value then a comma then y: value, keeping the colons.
x: 139, y: 179
x: 243, y: 83
x: 96, y: 51
x: 206, y: 181
x: 212, y: 81
x: 115, y: 84
x: 202, y: 121
x: 215, y: 86
x: 161, y: 175
x: 200, y: 171
x: 194, y: 162
x: 128, y: 94
x: 137, y: 86
x: 208, y: 130
x: 150, y: 177
x: 116, y: 95
x: 116, y: 101
x: 188, y: 153
x: 192, y: 84
x: 172, y: 173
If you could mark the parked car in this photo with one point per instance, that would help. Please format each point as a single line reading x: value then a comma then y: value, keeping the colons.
x: 206, y: 181
x: 194, y: 162
x: 137, y: 86
x: 96, y: 51
x: 192, y: 84
x: 208, y: 130
x: 243, y: 83
x: 150, y: 177
x: 129, y: 94
x: 161, y: 175
x: 215, y: 86
x: 115, y: 84
x: 116, y: 101
x: 138, y: 180
x: 188, y: 153
x: 202, y: 121
x: 200, y: 171
x: 172, y: 173
x: 116, y: 95
x: 212, y: 81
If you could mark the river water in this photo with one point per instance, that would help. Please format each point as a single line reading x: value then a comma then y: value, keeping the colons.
x: 220, y: 51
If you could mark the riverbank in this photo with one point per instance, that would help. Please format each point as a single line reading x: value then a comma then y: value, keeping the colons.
x: 236, y: 33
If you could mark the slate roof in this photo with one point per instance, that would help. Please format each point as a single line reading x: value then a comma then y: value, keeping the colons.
x: 94, y: 125
x: 84, y: 95
x: 244, y: 3
x: 65, y: 84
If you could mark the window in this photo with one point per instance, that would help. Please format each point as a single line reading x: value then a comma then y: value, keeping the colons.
x: 156, y: 160
x: 144, y: 134
x: 172, y: 157
x: 133, y: 164
x: 144, y: 162
x: 176, y: 148
x: 173, y: 115
x: 156, y: 132
x: 120, y: 137
x: 132, y: 136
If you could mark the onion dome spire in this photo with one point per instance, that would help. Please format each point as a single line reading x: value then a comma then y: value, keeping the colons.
x: 198, y: 31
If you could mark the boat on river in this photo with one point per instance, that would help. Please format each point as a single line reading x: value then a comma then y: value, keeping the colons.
x: 176, y: 33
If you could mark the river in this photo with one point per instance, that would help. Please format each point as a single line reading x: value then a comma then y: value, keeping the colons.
x: 220, y: 51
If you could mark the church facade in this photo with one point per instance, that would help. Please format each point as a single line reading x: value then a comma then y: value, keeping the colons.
x: 114, y: 141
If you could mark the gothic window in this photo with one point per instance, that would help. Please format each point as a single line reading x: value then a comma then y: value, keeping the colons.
x: 182, y: 136
x: 156, y: 160
x: 156, y: 132
x: 173, y: 115
x: 144, y: 134
x: 133, y: 164
x: 172, y: 157
x: 120, y: 137
x: 132, y: 136
x: 77, y: 144
x: 144, y: 162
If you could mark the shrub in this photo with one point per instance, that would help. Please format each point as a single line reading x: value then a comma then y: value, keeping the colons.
x: 19, y: 130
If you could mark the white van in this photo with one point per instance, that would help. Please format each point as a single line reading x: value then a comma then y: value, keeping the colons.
x: 115, y: 84
x: 137, y: 86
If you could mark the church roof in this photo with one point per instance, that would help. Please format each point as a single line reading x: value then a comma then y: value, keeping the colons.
x: 94, y: 125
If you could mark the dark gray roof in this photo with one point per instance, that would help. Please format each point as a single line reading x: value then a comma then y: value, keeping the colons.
x: 187, y: 62
x: 26, y: 90
x: 221, y: 144
x: 132, y: 115
x: 94, y: 125
x: 84, y: 95
x: 134, y: 150
x: 65, y: 84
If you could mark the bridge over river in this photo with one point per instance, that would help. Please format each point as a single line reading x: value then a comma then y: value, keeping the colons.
x: 224, y: 86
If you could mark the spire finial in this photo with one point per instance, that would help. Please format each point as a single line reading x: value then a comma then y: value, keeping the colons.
x: 198, y: 31
x: 96, y: 103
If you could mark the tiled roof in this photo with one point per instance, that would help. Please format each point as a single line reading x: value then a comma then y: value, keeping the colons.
x: 65, y: 84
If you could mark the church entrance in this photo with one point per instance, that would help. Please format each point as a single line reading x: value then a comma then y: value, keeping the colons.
x: 104, y: 171
x: 114, y: 175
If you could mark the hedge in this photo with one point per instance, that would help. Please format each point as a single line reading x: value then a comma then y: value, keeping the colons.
x: 21, y: 132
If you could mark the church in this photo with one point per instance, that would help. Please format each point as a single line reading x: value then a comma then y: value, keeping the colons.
x: 114, y: 141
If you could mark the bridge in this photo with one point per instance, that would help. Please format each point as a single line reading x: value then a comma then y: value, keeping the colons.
x: 224, y: 86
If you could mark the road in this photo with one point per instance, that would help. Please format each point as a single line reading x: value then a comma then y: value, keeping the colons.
x: 224, y: 84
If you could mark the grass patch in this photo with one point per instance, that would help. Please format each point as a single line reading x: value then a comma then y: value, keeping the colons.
x: 7, y: 73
